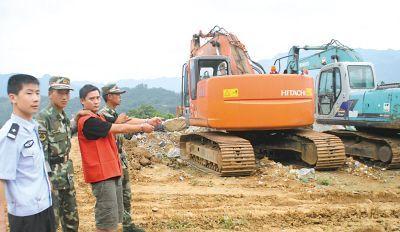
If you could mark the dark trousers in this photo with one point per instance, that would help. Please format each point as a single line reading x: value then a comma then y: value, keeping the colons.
x: 40, y: 222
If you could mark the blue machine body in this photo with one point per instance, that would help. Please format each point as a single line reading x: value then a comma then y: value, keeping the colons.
x: 373, y: 108
x: 347, y: 93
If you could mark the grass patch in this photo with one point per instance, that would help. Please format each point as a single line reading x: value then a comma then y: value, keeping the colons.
x: 178, y: 224
x: 229, y: 223
x: 226, y: 222
x: 325, y: 182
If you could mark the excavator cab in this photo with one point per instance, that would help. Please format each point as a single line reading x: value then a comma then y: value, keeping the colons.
x: 198, y: 69
x: 348, y: 96
x: 329, y: 88
x: 341, y: 89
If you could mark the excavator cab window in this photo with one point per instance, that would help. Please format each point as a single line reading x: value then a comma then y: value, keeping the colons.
x: 329, y: 90
x: 206, y: 68
x: 222, y: 69
x: 194, y: 78
x: 361, y: 77
x: 185, y: 87
x: 212, y: 68
x: 205, y: 72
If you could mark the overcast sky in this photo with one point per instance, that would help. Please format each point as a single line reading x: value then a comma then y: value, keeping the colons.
x: 111, y: 40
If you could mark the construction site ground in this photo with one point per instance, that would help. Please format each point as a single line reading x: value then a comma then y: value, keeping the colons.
x: 169, y: 195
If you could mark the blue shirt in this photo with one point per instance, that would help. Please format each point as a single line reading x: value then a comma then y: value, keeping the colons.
x: 22, y: 167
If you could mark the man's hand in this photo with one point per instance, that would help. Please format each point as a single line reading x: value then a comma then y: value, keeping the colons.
x: 81, y: 113
x: 155, y: 121
x: 122, y: 118
x: 147, y: 128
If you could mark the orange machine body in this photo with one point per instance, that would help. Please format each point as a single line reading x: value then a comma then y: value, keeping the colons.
x: 239, y: 99
x: 253, y: 102
x: 223, y: 89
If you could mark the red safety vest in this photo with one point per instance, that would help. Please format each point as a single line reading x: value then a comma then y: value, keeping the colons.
x: 99, y: 157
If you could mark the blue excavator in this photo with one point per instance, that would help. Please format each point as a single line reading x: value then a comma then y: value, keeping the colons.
x: 347, y: 94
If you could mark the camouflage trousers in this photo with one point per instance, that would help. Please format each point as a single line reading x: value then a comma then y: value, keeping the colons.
x: 65, y: 209
x: 127, y: 195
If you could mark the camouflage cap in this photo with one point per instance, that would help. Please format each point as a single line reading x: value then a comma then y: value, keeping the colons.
x: 112, y: 88
x: 57, y: 82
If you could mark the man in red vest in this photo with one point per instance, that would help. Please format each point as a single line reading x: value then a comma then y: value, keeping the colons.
x: 100, y: 161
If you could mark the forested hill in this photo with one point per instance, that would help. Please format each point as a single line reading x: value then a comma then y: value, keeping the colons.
x: 168, y: 83
x: 161, y: 99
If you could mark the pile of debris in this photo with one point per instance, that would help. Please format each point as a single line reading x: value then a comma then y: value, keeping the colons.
x: 138, y: 157
x: 357, y: 168
x: 272, y: 170
x: 160, y: 146
x: 276, y: 171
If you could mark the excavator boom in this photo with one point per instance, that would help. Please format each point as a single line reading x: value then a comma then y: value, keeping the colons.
x: 332, y: 52
x: 221, y: 42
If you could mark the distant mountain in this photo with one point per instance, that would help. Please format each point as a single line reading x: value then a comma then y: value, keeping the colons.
x: 385, y: 62
x: 165, y: 101
x: 162, y: 93
x: 168, y: 83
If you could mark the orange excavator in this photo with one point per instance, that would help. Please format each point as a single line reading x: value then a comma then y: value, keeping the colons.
x: 247, y: 111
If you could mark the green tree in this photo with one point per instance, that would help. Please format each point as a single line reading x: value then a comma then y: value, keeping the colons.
x: 148, y: 111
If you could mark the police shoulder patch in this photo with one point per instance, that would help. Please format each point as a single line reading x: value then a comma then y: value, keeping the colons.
x: 13, y: 132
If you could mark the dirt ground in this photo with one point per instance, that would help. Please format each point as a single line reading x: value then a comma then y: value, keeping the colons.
x: 183, y: 198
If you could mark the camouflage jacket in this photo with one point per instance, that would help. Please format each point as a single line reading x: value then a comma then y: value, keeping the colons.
x: 111, y: 115
x: 55, y: 135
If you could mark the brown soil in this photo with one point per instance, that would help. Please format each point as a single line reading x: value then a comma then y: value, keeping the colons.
x: 183, y: 198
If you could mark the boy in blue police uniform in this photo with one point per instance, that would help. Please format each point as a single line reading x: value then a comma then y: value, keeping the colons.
x: 22, y: 164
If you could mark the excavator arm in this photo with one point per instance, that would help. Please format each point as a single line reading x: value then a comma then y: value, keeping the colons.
x: 220, y: 42
x: 331, y: 52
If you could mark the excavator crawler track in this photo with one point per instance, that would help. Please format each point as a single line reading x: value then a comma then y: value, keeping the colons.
x: 357, y: 140
x: 225, y: 154
x: 329, y: 150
